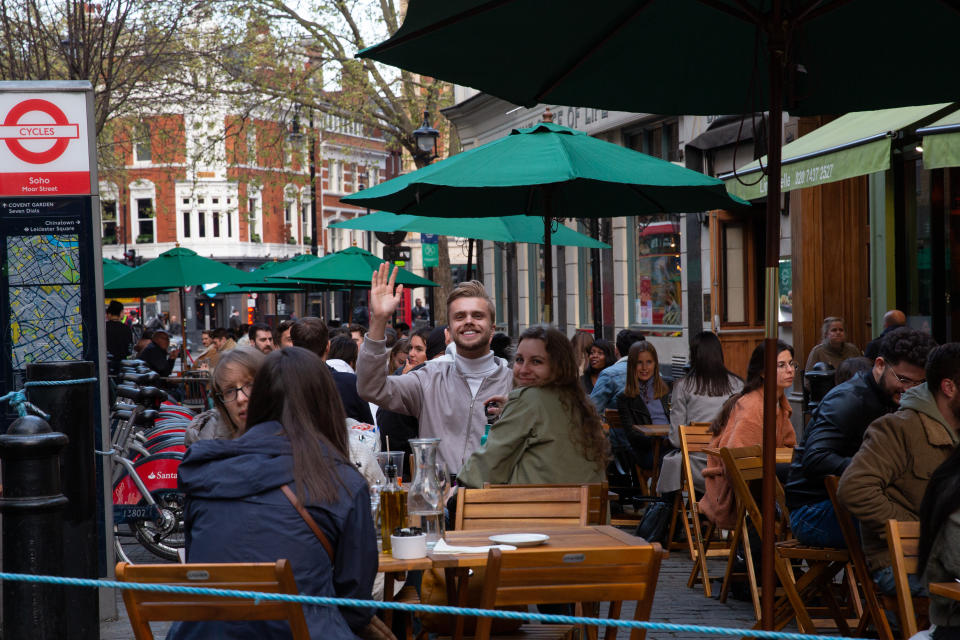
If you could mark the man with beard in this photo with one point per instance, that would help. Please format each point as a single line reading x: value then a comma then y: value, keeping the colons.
x: 836, y: 430
x: 889, y: 474
x: 446, y: 397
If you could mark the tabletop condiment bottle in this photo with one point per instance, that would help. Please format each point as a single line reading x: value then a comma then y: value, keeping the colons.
x: 393, y: 506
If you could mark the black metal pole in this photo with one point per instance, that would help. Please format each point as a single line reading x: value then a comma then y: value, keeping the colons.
x: 430, y: 297
x: 595, y: 276
x: 314, y: 232
x: 470, y: 259
x: 73, y: 411
x: 32, y: 506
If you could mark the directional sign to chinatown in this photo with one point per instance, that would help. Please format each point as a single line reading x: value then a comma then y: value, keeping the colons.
x: 43, y: 144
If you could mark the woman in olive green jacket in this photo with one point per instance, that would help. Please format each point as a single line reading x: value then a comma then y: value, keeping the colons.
x: 548, y: 432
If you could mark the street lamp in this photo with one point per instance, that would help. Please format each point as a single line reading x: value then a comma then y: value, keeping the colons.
x: 426, y: 139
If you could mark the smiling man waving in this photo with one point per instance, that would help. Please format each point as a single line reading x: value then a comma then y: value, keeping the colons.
x: 446, y: 396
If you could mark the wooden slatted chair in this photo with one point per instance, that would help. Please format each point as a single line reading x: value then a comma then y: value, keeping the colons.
x: 542, y: 576
x: 695, y: 438
x: 598, y: 496
x: 903, y: 539
x: 144, y: 607
x: 513, y: 508
x: 873, y: 612
x: 744, y: 465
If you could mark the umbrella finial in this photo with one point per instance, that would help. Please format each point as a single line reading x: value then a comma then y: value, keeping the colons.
x: 547, y: 115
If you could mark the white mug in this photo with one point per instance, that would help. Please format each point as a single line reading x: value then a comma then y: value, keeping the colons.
x: 408, y: 547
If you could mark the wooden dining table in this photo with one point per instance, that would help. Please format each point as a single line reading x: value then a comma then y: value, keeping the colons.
x: 457, y: 566
x: 946, y: 589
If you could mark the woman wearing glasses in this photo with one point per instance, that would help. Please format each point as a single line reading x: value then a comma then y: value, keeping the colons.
x: 740, y: 424
x: 230, y: 384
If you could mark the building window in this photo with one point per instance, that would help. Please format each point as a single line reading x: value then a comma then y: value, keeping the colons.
x: 216, y: 224
x: 740, y: 251
x: 142, y: 149
x: 253, y: 220
x: 108, y: 218
x: 335, y: 182
x: 145, y: 220
x: 658, y: 290
x: 186, y: 224
x: 374, y: 176
x: 305, y: 219
x: 202, y: 224
x: 229, y: 225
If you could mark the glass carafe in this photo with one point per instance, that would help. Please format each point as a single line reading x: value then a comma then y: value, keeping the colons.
x: 425, y: 495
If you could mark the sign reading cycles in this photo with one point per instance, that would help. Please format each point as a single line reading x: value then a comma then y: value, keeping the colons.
x: 61, y: 131
x: 44, y: 146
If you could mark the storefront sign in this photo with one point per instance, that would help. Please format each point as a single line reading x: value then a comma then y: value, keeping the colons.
x: 44, y: 149
x: 431, y: 254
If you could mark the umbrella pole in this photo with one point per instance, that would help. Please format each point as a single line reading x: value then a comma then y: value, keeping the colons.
x: 183, y: 333
x: 547, y: 258
x: 776, y: 52
x: 470, y: 259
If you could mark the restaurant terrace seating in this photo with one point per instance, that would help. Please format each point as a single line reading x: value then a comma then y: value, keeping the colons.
x: 903, y: 539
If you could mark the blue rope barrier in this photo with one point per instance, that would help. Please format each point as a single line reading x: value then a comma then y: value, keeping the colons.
x: 258, y: 596
x: 18, y: 399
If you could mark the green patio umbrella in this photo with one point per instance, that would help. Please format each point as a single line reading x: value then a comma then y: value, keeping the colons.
x: 550, y: 171
x: 351, y: 267
x: 177, y: 268
x: 501, y: 229
x: 113, y: 269
x: 810, y: 57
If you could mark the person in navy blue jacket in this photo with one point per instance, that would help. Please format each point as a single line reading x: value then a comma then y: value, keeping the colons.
x: 237, y: 512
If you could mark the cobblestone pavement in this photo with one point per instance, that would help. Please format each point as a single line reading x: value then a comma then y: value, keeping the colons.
x: 673, y: 603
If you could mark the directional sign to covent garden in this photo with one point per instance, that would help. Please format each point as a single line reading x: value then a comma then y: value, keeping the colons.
x: 51, y: 297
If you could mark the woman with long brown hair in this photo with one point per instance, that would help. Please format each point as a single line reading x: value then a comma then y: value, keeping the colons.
x: 548, y: 432
x: 239, y: 508
x: 645, y: 400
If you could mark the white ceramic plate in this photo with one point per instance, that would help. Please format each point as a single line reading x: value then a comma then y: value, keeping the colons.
x: 520, y: 539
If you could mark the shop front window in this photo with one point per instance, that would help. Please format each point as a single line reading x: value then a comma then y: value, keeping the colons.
x: 657, y: 298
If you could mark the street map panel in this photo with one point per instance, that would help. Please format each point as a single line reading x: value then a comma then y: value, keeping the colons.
x: 43, y: 276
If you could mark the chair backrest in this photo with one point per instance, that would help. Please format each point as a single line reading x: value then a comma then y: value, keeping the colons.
x: 694, y: 437
x: 144, y: 607
x: 903, y: 540
x: 543, y: 576
x: 744, y: 465
x: 598, y: 496
x: 858, y: 559
x: 612, y: 418
x: 514, y: 508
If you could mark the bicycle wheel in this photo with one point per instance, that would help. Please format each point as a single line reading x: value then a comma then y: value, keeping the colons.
x: 162, y: 537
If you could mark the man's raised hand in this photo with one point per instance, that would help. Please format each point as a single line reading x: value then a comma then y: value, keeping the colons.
x: 384, y: 299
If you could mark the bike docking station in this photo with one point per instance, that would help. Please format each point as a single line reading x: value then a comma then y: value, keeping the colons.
x: 55, y: 487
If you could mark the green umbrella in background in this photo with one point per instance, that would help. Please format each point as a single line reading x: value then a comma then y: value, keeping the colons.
x: 177, y: 268
x: 352, y: 267
x: 113, y: 269
x: 550, y: 171
x: 501, y: 229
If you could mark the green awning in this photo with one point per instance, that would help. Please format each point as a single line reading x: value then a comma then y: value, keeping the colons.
x: 941, y: 142
x: 853, y: 145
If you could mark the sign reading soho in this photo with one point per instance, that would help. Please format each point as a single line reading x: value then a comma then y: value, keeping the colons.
x: 44, y: 144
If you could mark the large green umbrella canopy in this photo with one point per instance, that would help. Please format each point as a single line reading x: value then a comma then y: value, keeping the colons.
x: 551, y: 171
x: 501, y: 229
x: 683, y: 56
x: 351, y: 267
x: 694, y: 57
x: 547, y: 170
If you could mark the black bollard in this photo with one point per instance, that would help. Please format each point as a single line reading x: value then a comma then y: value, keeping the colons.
x: 73, y: 410
x: 32, y: 506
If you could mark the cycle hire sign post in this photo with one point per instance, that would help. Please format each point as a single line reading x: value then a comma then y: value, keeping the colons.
x: 51, y: 276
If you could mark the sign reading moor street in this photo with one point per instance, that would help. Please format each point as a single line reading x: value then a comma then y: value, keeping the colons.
x: 44, y: 144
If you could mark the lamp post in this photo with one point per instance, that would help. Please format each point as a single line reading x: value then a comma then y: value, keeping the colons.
x: 426, y: 138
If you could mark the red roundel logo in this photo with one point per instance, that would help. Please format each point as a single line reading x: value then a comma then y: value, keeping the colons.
x: 61, y: 131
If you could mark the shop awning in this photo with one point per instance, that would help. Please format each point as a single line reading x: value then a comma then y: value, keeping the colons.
x: 853, y: 145
x: 941, y: 142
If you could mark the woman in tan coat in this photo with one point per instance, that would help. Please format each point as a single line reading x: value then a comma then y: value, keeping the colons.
x: 740, y: 424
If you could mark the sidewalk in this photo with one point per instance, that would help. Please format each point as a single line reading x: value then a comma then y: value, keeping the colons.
x: 673, y: 603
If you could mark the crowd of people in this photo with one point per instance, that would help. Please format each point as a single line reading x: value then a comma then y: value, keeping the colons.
x: 285, y: 400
